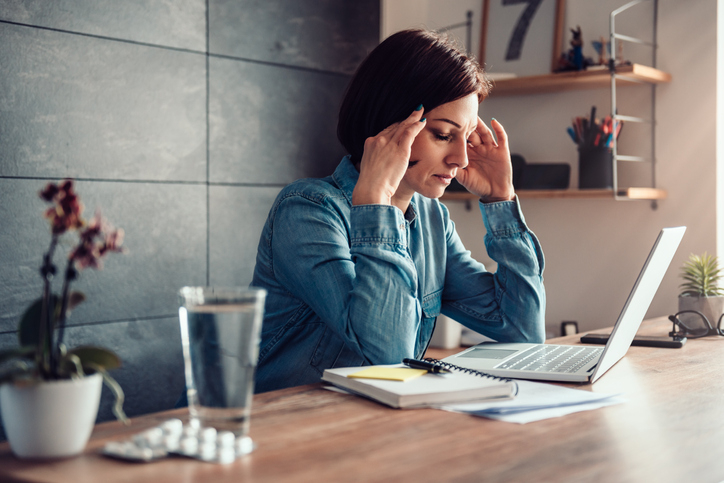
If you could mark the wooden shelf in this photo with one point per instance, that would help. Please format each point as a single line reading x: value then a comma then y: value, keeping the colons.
x: 624, y: 193
x: 634, y: 74
x: 586, y: 79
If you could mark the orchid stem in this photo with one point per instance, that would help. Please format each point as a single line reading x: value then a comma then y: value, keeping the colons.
x: 45, y: 332
x: 69, y: 275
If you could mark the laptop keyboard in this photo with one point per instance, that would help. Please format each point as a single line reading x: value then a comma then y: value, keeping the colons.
x: 552, y: 358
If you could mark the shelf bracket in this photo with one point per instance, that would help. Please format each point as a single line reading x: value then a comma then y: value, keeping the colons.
x: 614, y: 36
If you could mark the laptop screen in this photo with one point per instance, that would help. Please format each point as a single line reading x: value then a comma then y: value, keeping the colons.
x: 640, y: 298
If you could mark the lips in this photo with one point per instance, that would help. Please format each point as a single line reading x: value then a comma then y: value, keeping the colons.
x: 445, y: 178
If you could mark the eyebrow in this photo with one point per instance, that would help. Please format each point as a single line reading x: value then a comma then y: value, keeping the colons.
x: 443, y: 119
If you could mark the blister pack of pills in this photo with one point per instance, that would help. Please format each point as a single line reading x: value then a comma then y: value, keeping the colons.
x: 173, y: 437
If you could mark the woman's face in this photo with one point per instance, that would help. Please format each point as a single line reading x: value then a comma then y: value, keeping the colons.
x: 441, y: 148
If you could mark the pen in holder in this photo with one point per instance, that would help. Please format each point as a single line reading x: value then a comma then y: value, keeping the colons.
x: 594, y: 139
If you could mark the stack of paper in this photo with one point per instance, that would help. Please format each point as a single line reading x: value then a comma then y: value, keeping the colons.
x: 536, y: 401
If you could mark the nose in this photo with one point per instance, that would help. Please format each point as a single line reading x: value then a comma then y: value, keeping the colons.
x: 459, y: 154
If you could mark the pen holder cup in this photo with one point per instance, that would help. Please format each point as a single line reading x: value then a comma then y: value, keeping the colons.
x: 595, y: 168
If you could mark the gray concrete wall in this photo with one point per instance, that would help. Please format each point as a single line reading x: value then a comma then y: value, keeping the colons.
x: 181, y: 121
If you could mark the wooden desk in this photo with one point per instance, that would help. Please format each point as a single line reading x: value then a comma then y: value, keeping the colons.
x: 670, y: 430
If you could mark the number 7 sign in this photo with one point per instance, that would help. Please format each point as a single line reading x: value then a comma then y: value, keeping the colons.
x: 522, y: 37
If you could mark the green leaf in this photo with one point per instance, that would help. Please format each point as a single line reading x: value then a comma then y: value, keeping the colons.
x: 98, y: 356
x: 701, y: 275
x: 69, y: 366
x: 115, y: 388
x: 29, y: 327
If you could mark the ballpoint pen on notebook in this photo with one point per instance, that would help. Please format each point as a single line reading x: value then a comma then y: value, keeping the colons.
x: 429, y: 367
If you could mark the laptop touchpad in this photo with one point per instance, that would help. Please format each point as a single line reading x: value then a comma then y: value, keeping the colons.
x: 483, y: 353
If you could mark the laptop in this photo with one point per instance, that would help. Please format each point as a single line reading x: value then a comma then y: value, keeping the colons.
x: 578, y: 363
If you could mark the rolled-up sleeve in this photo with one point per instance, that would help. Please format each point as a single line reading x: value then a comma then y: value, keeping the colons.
x: 508, y: 305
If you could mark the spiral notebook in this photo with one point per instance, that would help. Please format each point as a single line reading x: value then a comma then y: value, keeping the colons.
x: 428, y: 390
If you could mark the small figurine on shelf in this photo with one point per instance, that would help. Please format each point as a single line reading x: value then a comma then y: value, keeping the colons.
x: 619, y: 55
x: 576, y: 52
x: 603, y: 49
x: 574, y: 59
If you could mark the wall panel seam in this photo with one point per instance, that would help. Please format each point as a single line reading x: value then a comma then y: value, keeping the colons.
x: 181, y: 49
x: 148, y: 318
x: 103, y: 37
x: 147, y: 181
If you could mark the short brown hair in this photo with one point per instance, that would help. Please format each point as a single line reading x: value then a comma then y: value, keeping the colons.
x: 409, y: 68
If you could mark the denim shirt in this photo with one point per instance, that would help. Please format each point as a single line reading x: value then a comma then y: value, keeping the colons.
x: 357, y: 285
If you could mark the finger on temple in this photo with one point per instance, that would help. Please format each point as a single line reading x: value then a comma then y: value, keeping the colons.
x: 418, y: 112
x: 475, y: 139
x: 399, y: 128
x: 408, y: 134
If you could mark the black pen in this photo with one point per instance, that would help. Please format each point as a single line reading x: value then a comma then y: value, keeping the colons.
x: 429, y: 367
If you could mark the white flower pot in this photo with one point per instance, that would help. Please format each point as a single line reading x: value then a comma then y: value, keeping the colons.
x: 50, y: 418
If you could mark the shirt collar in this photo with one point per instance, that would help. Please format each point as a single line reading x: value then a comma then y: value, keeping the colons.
x: 346, y: 176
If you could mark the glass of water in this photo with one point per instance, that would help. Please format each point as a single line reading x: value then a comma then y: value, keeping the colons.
x: 220, y: 330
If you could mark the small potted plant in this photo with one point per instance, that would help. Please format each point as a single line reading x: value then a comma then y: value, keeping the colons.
x: 49, y: 394
x: 701, y: 290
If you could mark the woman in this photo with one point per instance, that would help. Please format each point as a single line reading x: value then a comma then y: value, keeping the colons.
x: 358, y: 265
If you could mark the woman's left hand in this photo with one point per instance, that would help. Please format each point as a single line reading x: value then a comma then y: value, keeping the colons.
x: 489, y: 173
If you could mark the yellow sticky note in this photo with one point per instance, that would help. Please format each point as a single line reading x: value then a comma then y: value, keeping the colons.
x: 388, y: 373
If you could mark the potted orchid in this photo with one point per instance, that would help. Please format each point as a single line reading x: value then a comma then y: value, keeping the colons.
x: 49, y: 394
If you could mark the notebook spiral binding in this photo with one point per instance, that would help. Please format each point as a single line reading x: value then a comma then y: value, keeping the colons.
x: 466, y: 370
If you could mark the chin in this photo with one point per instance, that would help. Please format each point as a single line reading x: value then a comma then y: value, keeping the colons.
x: 432, y: 194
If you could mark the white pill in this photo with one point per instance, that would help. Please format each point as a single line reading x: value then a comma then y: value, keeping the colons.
x: 114, y: 447
x: 190, y: 431
x: 140, y: 440
x: 172, y: 426
x: 225, y: 439
x: 140, y: 453
x: 154, y: 436
x: 189, y: 445
x: 128, y: 447
x: 226, y: 456
x: 208, y: 435
x: 244, y: 445
x: 207, y: 451
x: 171, y: 443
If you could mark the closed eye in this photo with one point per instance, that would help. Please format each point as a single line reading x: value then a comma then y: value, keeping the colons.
x: 443, y: 137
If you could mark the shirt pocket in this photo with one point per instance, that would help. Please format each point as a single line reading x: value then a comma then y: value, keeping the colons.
x: 431, y: 305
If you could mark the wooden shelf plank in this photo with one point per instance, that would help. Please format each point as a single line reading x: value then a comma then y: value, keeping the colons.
x: 643, y: 193
x: 586, y: 79
x: 625, y: 193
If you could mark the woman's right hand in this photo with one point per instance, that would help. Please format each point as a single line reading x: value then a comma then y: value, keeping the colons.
x: 385, y: 160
